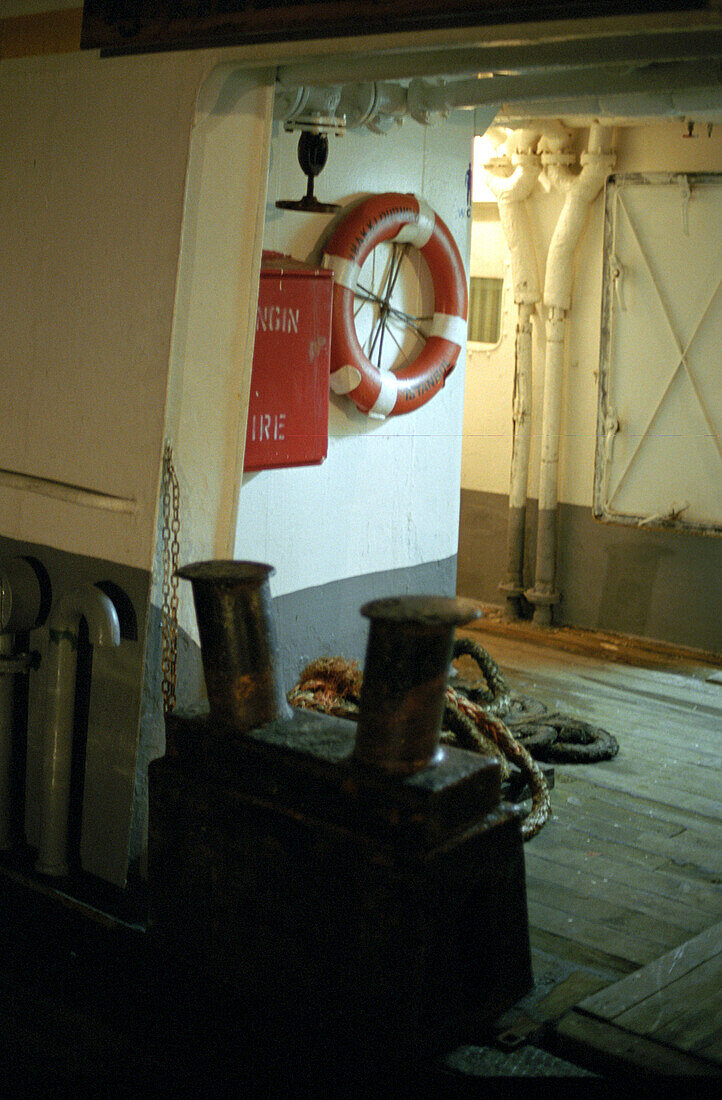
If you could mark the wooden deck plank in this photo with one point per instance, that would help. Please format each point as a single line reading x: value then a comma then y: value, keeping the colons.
x: 639, y: 987
x: 686, y: 919
x: 574, y: 641
x: 625, y: 702
x: 664, y: 884
x: 624, y: 712
x: 628, y: 920
x: 683, y: 849
x: 641, y: 688
x: 588, y: 804
x: 624, y: 829
x: 606, y: 1048
x: 686, y: 1014
x: 659, y: 791
x: 578, y: 953
x: 570, y: 785
x: 592, y: 933
x: 557, y: 836
x: 676, y: 1000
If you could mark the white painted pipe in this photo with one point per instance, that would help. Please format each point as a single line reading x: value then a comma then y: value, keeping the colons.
x: 95, y: 607
x: 7, y: 680
x: 511, y: 193
x: 580, y: 191
x: 647, y: 83
x: 522, y: 409
x: 20, y: 604
x: 293, y: 103
x: 551, y: 409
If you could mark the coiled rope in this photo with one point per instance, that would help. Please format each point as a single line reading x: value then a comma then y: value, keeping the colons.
x: 548, y: 735
x: 333, y: 685
x: 472, y: 725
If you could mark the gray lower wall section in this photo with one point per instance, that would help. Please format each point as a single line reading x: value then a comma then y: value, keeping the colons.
x: 665, y: 585
x: 324, y: 621
x: 316, y: 622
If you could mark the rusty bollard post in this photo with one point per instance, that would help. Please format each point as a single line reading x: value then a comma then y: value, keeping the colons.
x: 410, y: 647
x: 238, y: 642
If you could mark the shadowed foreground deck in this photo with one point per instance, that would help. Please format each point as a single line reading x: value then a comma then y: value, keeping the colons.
x: 627, y: 871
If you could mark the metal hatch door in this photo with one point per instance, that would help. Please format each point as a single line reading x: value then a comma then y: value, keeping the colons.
x: 659, y: 455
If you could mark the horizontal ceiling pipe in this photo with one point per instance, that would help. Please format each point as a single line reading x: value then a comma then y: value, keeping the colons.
x: 557, y: 51
x: 426, y: 98
x: 637, y: 112
x: 614, y: 110
x: 648, y: 93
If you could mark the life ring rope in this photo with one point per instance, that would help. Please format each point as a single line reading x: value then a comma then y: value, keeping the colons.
x: 397, y: 219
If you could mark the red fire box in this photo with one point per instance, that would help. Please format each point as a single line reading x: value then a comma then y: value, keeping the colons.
x: 288, y: 409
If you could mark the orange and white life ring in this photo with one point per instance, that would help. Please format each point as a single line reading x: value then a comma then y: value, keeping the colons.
x: 402, y: 219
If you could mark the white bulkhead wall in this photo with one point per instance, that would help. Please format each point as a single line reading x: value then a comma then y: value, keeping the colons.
x: 94, y: 162
x: 387, y: 495
x: 649, y: 147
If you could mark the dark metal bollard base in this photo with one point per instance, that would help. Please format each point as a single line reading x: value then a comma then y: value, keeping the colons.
x: 379, y: 915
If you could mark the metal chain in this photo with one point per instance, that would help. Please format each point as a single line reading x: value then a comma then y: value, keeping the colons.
x: 169, y: 627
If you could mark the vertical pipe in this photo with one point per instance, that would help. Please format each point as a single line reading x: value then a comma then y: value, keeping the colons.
x: 544, y: 573
x: 7, y: 683
x: 60, y: 663
x: 579, y: 191
x: 20, y: 610
x: 410, y: 647
x: 511, y: 193
x: 57, y: 752
x: 513, y: 583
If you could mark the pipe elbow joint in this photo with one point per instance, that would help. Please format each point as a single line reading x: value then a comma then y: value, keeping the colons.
x: 98, y: 610
x: 516, y: 187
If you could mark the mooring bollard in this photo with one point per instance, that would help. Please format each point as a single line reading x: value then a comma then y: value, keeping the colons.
x: 238, y: 642
x: 407, y: 663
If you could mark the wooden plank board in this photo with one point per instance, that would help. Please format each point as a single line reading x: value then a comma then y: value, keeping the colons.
x: 612, y: 1002
x: 566, y: 994
x: 628, y: 921
x: 589, y: 644
x: 606, y: 1048
x: 685, y: 919
x: 686, y: 1014
x: 629, y: 865
x: 621, y: 706
x: 592, y: 933
x: 628, y: 918
x: 580, y: 954
x: 616, y: 827
x: 590, y: 805
x: 662, y: 882
x: 640, y: 689
x: 583, y: 788
x: 675, y: 1000
x: 688, y: 721
x: 684, y: 849
x: 672, y: 795
x: 560, y: 838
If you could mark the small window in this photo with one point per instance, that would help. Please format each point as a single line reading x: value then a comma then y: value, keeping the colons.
x: 484, y: 310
